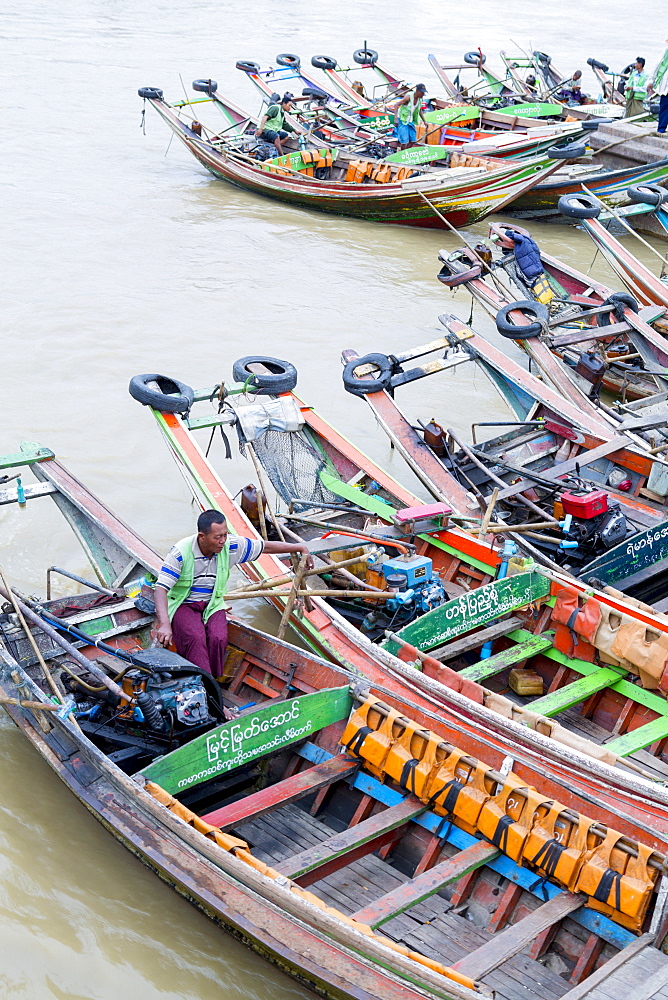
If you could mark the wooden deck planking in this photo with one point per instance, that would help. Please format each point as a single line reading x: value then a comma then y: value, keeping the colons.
x: 459, y: 646
x: 275, y: 796
x: 336, y: 851
x: 610, y: 980
x: 514, y: 938
x: 417, y: 889
x: 429, y: 927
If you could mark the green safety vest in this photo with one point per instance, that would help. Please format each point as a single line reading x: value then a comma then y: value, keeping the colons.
x: 181, y: 589
x: 407, y: 113
x: 636, y: 87
x: 275, y: 118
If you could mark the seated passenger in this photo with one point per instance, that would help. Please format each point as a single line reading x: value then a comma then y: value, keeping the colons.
x: 273, y: 127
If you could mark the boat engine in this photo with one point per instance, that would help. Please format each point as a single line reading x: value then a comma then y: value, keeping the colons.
x: 597, y: 521
x: 415, y: 587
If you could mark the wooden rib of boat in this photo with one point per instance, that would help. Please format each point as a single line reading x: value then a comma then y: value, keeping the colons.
x: 363, y: 188
x: 325, y: 628
x: 576, y: 299
x: 292, y: 820
x: 549, y: 440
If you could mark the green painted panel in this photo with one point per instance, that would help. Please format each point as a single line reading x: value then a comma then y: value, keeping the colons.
x: 644, y: 736
x: 30, y: 452
x: 378, y: 122
x: 255, y: 734
x: 373, y: 504
x: 573, y: 694
x: 645, y: 549
x: 449, y: 116
x: 419, y: 154
x: 540, y: 109
x: 97, y: 625
x: 294, y: 160
x: 478, y: 607
x: 507, y: 657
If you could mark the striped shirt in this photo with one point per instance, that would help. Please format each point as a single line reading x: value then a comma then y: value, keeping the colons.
x: 241, y: 550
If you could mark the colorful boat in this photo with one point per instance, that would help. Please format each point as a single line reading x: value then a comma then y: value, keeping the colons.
x: 316, y: 846
x: 343, y: 183
x: 466, y: 565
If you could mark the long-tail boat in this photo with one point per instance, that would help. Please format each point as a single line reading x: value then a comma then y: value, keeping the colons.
x: 643, y: 284
x: 466, y: 563
x: 610, y: 186
x: 342, y: 831
x: 631, y: 361
x: 340, y: 182
x: 550, y: 446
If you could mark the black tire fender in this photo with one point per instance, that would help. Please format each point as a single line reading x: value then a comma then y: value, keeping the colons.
x: 590, y: 125
x: 596, y: 64
x: 246, y: 66
x: 365, y: 57
x: 362, y: 387
x: 572, y: 151
x: 281, y: 377
x: 474, y: 58
x: 162, y: 393
x: 619, y: 302
x: 288, y: 59
x: 647, y: 194
x: 451, y: 280
x: 320, y: 95
x: 578, y: 206
x: 323, y: 62
x: 150, y: 93
x: 508, y: 329
x: 205, y: 86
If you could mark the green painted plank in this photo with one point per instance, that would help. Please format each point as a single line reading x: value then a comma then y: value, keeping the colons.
x: 420, y: 154
x: 255, y: 734
x: 573, y: 694
x: 507, y: 657
x: 347, y: 492
x: 628, y: 689
x: 477, y: 607
x: 644, y: 736
x: 30, y: 452
x: 97, y: 625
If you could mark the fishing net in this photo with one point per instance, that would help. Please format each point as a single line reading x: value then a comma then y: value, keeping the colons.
x: 294, y: 466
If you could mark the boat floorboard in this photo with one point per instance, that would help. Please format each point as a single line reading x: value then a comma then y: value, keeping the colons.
x: 643, y: 977
x: 430, y: 927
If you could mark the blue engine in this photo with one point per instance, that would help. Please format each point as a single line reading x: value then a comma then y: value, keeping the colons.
x: 413, y: 579
x: 183, y: 697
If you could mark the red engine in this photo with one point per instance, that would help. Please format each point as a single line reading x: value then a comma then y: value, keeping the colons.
x: 585, y: 505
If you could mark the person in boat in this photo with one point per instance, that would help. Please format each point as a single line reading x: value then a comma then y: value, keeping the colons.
x: 273, y: 127
x: 659, y: 86
x: 406, y: 116
x: 190, y: 589
x: 571, y: 90
x: 635, y: 89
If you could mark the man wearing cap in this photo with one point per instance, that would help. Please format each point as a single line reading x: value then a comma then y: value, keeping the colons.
x: 635, y: 89
x: 406, y: 116
x: 659, y: 86
x: 273, y: 127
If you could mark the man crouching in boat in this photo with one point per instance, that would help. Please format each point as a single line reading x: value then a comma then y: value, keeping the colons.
x: 273, y: 127
x: 190, y: 589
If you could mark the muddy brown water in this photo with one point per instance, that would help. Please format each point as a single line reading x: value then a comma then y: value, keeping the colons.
x: 121, y: 255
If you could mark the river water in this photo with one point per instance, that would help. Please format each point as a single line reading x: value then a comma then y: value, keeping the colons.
x: 121, y: 255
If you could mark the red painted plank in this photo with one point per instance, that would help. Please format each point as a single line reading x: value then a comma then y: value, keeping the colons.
x: 280, y: 794
x: 338, y: 851
x: 425, y: 885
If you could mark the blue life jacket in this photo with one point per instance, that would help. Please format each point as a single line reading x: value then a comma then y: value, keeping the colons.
x: 527, y: 255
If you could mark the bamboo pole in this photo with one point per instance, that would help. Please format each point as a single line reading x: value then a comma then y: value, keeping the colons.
x: 31, y: 638
x: 379, y: 595
x: 262, y: 493
x: 292, y: 597
x: 487, y: 516
x: 32, y: 705
x: 278, y: 581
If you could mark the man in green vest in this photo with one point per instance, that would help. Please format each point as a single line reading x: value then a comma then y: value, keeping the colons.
x: 406, y: 116
x: 273, y: 126
x: 635, y: 89
x: 190, y: 589
x: 659, y: 86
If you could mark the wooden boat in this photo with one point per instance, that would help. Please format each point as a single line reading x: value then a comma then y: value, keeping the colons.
x: 574, y: 299
x: 612, y: 91
x: 610, y: 186
x: 358, y: 186
x: 315, y: 844
x: 644, y: 285
x: 373, y: 85
x: 469, y: 571
x: 488, y: 87
x: 545, y: 446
